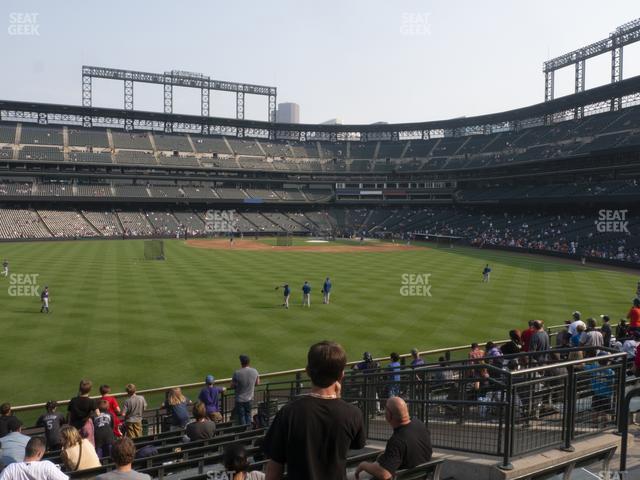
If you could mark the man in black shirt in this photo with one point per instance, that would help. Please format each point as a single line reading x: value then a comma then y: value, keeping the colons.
x: 605, y: 330
x: 313, y: 433
x: 51, y: 421
x: 81, y: 407
x: 6, y: 416
x: 408, y: 447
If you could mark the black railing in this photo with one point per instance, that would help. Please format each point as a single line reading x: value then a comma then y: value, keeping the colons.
x: 481, y: 406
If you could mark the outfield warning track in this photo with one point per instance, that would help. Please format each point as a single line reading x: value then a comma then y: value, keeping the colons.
x: 253, y: 245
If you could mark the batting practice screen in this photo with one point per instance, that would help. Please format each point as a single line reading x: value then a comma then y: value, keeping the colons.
x: 154, y: 250
x: 284, y: 241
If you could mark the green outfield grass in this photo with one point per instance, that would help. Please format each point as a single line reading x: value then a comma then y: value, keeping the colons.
x: 117, y: 318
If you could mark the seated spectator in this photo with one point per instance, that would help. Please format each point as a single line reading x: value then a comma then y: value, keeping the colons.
x: 114, y: 408
x: 33, y: 467
x: 443, y: 377
x: 605, y: 329
x: 178, y: 407
x: 591, y: 337
x: 123, y: 453
x: 312, y: 434
x: 202, y: 428
x: 622, y: 330
x: 81, y: 407
x: 51, y: 422
x: 576, y: 355
x: 602, y: 385
x: 408, y: 447
x: 494, y: 353
x: 476, y: 356
x: 77, y: 453
x: 629, y: 346
x: 13, y: 444
x: 563, y: 338
x: 416, y: 361
x: 367, y: 363
x: 514, y: 344
x: 132, y: 409
x: 573, y: 326
x: 575, y: 338
x: 210, y: 396
x: 6, y: 415
x: 236, y: 461
x: 103, y: 429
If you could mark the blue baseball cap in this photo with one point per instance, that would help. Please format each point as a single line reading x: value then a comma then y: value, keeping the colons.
x: 210, y: 379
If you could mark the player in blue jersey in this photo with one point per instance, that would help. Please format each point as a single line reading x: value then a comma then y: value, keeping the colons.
x: 486, y: 272
x: 287, y: 293
x: 326, y: 291
x: 306, y: 294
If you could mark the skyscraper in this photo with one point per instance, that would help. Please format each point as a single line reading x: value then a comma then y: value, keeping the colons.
x: 288, y: 113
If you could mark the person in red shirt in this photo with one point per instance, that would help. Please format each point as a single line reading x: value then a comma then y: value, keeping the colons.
x: 114, y: 408
x: 526, y: 336
x: 634, y: 314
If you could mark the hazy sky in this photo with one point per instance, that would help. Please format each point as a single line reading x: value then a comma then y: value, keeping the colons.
x: 359, y: 60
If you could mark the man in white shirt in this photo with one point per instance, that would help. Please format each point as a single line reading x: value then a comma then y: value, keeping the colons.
x: 629, y: 347
x: 573, y: 326
x: 33, y: 467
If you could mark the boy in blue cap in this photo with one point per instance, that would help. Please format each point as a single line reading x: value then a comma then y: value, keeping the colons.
x: 210, y: 396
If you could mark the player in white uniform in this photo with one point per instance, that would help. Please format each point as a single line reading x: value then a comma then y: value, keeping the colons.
x: 5, y: 268
x: 44, y: 297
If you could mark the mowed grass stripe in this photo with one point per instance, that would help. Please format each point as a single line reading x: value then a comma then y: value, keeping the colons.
x: 117, y: 318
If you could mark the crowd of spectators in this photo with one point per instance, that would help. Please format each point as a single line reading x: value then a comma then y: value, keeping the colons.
x: 300, y: 437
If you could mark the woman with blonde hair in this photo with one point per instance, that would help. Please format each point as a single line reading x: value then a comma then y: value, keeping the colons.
x: 177, y: 407
x: 77, y: 453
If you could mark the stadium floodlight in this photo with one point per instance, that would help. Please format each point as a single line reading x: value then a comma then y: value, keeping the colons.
x: 623, y: 35
x: 176, y: 78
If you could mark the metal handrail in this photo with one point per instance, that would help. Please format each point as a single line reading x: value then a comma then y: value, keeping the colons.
x: 282, y: 373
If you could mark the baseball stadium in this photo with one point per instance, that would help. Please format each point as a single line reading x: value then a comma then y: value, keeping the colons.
x: 154, y: 248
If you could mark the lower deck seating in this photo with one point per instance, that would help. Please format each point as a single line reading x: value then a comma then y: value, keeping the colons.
x: 21, y: 223
x: 66, y: 223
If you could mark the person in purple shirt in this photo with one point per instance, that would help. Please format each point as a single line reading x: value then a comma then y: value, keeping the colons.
x: 416, y: 361
x: 394, y: 366
x: 210, y: 395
